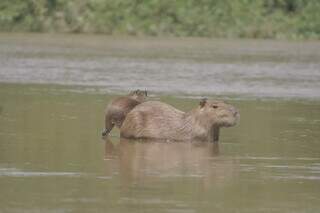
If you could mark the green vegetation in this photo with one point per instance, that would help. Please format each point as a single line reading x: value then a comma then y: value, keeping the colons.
x: 293, y: 19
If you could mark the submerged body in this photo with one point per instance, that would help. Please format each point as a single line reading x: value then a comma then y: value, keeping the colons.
x: 117, y: 110
x: 157, y: 120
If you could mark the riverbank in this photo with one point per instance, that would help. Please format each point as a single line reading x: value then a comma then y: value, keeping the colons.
x: 276, y: 19
x: 181, y: 67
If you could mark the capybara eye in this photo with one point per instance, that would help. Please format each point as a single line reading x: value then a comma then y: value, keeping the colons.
x: 214, y: 106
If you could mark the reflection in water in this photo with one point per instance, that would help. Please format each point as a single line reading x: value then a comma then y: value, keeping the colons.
x: 153, y: 160
x: 50, y: 160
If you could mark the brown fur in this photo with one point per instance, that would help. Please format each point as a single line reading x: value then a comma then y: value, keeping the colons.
x: 157, y: 120
x: 117, y: 110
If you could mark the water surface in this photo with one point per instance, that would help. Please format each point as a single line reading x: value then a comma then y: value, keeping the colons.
x: 174, y: 66
x: 52, y: 159
x: 53, y: 92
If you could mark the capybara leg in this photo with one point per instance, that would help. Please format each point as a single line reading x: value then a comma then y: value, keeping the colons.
x: 109, y: 124
x: 105, y: 132
x: 216, y: 133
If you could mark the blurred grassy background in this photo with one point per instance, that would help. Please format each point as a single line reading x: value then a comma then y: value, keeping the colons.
x: 279, y: 19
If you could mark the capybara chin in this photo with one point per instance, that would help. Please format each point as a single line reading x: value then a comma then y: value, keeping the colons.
x: 157, y: 120
x: 116, y: 111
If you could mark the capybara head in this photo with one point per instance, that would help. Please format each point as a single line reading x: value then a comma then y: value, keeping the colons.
x: 139, y: 95
x: 218, y: 113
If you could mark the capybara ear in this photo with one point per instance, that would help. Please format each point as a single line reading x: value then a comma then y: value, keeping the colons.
x: 203, y: 102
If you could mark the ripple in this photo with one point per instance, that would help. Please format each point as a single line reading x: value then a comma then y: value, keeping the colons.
x: 295, y: 177
x: 13, y: 172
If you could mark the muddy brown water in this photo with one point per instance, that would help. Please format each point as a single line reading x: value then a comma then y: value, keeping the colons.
x: 53, y: 92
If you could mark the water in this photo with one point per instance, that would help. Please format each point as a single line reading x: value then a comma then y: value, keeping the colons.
x: 172, y: 66
x: 52, y: 158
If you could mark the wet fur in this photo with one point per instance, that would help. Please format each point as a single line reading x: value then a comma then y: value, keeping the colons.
x: 157, y: 120
x: 117, y: 110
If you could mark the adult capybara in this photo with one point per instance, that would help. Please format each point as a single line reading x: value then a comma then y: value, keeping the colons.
x: 157, y: 120
x: 117, y: 110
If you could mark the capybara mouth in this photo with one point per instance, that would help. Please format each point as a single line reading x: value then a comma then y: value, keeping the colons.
x: 236, y: 117
x: 232, y: 121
